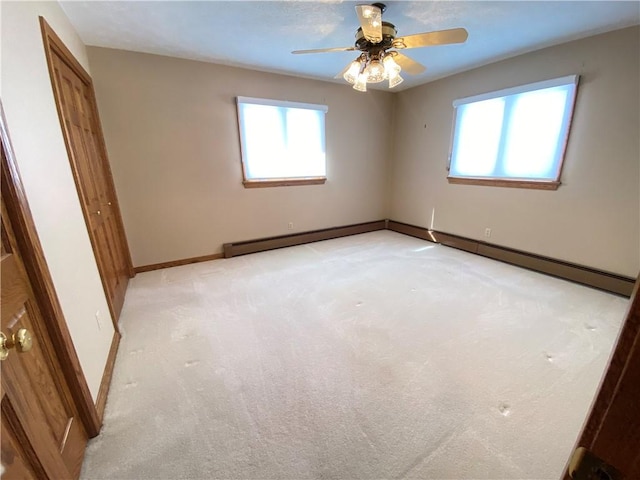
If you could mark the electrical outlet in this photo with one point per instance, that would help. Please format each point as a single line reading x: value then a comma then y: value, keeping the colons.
x: 290, y: 226
x: 98, y: 320
x: 487, y: 232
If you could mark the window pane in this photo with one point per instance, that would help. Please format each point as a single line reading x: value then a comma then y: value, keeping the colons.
x: 533, y: 133
x: 264, y: 146
x: 305, y: 143
x: 478, y: 128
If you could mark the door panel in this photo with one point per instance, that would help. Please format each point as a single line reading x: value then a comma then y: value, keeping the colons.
x: 42, y: 436
x: 14, y: 464
x: 16, y: 301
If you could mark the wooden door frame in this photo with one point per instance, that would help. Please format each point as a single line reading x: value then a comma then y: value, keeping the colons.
x: 54, y: 45
x: 43, y: 288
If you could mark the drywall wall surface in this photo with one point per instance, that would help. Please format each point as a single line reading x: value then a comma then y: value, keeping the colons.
x: 171, y: 131
x: 39, y: 148
x: 593, y: 218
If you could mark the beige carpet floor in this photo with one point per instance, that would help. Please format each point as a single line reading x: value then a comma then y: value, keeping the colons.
x: 367, y: 357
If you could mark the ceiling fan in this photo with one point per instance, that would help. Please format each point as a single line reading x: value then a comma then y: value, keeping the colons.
x: 377, y: 41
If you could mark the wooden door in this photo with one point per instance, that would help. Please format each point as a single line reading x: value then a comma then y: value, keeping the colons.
x: 75, y: 99
x: 612, y: 429
x: 42, y: 435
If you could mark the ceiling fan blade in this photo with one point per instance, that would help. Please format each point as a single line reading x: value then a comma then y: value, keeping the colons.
x: 370, y: 18
x: 441, y: 37
x: 408, y: 65
x: 324, y: 50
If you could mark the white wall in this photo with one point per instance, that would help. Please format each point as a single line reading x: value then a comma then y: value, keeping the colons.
x: 172, y: 135
x: 594, y: 217
x: 39, y: 147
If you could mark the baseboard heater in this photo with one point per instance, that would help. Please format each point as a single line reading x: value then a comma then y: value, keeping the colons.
x: 606, y: 281
x: 270, y: 243
x: 609, y: 282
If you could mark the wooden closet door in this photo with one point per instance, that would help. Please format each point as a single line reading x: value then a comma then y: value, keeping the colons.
x: 77, y: 109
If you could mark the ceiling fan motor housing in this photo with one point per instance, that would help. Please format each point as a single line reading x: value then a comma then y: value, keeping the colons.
x: 389, y: 33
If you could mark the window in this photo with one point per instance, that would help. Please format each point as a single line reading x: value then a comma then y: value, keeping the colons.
x: 282, y: 143
x: 514, y: 137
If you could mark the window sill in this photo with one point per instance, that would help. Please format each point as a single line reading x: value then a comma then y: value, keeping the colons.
x: 503, y: 182
x: 284, y: 182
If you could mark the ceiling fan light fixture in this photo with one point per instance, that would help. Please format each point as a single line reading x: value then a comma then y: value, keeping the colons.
x: 375, y: 72
x: 390, y: 65
x: 395, y: 79
x: 392, y: 70
x: 361, y: 83
x: 351, y: 75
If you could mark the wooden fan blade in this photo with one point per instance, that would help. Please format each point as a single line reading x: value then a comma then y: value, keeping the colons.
x: 324, y: 50
x: 408, y: 65
x: 370, y: 18
x: 441, y: 37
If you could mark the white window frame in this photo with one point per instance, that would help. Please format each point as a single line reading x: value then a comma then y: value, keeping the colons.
x: 504, y: 180
x: 251, y: 182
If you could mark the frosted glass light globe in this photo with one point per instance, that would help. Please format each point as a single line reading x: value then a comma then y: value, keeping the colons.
x: 375, y: 72
x: 351, y: 75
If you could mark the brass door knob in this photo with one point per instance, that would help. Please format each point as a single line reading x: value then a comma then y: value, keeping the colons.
x: 4, y: 349
x: 21, y: 341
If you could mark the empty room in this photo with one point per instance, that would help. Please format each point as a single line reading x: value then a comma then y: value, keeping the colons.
x: 320, y: 240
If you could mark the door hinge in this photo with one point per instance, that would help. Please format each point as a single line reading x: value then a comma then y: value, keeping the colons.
x: 584, y: 465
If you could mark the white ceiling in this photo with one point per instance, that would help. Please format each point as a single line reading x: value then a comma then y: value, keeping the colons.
x: 261, y: 35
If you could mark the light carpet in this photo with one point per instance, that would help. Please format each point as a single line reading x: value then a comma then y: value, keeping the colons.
x: 366, y: 357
